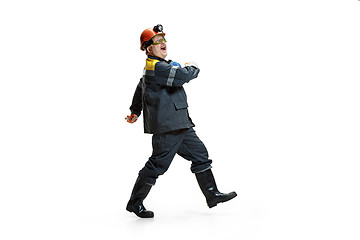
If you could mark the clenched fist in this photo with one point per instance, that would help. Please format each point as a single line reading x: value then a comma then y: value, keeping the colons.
x: 132, y: 118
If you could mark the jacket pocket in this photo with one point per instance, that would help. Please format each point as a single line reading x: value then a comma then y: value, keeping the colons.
x: 181, y: 105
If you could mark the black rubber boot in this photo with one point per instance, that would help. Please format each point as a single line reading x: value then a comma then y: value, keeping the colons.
x: 207, y: 185
x: 139, y: 193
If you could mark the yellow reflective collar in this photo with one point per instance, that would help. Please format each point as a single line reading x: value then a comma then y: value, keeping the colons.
x: 150, y: 64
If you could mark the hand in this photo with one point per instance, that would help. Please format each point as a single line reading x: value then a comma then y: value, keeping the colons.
x: 132, y: 118
x: 191, y: 63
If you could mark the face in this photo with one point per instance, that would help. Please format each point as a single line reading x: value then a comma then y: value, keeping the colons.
x: 158, y: 49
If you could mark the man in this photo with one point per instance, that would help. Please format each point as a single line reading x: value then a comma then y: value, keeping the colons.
x: 162, y: 99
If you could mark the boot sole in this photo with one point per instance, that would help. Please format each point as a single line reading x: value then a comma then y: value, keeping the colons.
x: 215, y: 202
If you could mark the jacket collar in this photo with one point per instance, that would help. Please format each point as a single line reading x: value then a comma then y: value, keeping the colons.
x: 157, y: 58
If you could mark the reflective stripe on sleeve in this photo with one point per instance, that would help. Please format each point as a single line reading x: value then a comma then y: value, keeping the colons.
x: 171, y: 77
x: 148, y: 73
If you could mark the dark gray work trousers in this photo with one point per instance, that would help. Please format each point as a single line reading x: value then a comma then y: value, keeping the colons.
x: 184, y: 142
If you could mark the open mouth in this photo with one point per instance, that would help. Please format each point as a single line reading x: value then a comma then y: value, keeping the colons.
x: 163, y: 48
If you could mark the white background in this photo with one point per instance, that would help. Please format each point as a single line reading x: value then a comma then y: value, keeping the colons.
x: 276, y: 103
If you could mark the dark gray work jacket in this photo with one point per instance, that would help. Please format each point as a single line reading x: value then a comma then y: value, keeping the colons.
x: 161, y: 97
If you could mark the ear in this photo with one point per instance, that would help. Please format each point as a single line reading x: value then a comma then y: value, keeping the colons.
x: 149, y: 48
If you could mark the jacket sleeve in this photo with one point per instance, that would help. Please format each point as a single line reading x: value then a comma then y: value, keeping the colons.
x: 174, y: 76
x: 136, y: 106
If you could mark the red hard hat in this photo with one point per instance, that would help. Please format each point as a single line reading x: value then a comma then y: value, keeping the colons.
x: 148, y: 34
